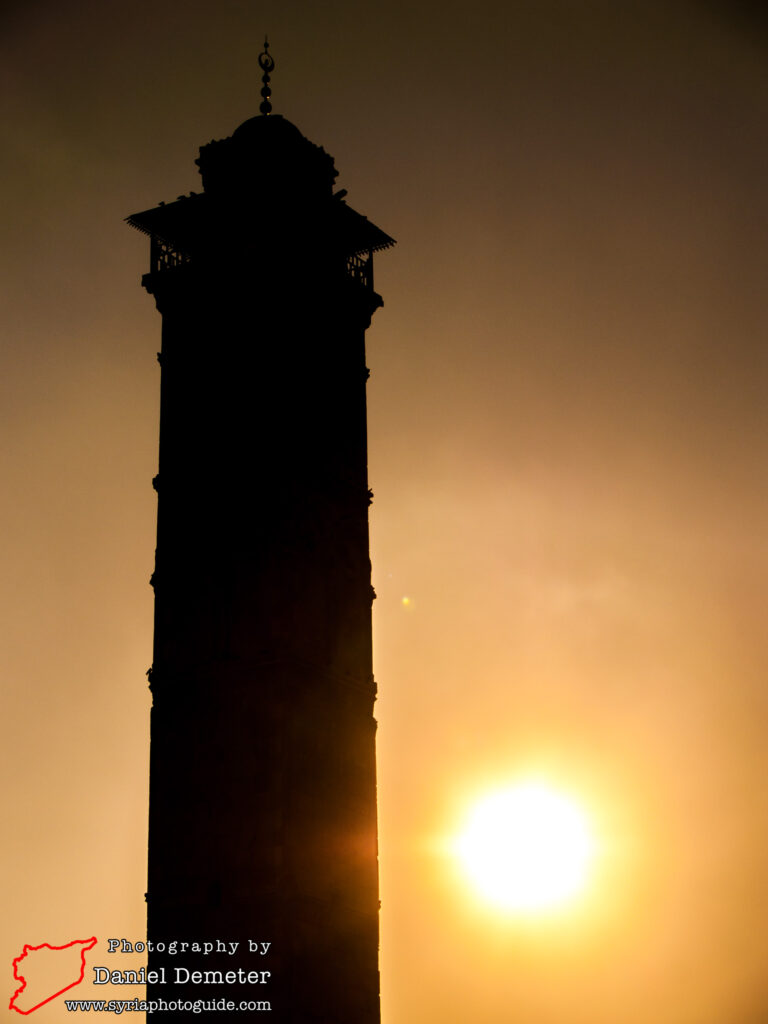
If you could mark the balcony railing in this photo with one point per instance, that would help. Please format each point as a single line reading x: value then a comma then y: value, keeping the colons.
x: 163, y: 256
x: 360, y: 269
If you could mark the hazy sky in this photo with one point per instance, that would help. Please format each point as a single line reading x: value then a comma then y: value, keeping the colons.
x: 567, y: 445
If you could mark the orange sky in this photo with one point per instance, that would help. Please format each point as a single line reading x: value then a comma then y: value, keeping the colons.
x: 567, y: 445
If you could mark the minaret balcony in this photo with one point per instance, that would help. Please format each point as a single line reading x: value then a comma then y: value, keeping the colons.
x: 163, y: 255
x: 360, y: 268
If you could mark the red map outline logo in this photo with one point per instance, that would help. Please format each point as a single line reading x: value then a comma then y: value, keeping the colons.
x: 85, y: 943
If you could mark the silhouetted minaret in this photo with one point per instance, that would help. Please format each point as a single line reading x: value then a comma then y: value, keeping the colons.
x: 262, y: 821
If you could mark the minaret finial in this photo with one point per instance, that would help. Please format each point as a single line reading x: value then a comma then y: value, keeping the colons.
x: 267, y: 64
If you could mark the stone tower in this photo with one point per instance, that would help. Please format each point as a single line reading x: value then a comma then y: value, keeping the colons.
x: 262, y: 821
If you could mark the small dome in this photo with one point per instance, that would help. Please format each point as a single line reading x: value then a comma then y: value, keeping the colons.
x: 268, y: 127
x: 266, y: 151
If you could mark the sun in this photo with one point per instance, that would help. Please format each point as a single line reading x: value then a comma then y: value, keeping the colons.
x: 527, y: 848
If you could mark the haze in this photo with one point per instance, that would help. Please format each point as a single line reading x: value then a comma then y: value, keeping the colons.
x: 567, y: 413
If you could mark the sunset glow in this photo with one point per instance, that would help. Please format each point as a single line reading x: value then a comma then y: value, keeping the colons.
x: 526, y: 849
x: 567, y: 435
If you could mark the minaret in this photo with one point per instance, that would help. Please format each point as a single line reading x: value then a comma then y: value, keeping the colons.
x: 262, y: 819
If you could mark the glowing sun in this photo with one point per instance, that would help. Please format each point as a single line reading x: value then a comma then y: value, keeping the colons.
x: 527, y: 848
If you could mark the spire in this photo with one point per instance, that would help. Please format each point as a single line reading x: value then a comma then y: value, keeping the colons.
x: 267, y: 64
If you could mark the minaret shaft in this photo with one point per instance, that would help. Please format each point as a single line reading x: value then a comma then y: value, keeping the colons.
x: 262, y: 765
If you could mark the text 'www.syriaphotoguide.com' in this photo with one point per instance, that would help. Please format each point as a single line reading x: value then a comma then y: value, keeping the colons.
x: 164, y: 1006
